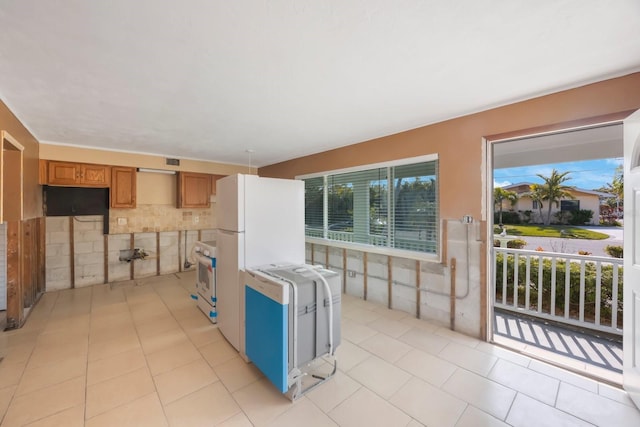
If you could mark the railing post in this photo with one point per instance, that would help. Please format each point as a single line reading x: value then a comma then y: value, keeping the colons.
x: 540, y: 288
x: 598, y: 291
x: 582, y: 271
x: 567, y: 286
x: 505, y: 260
x: 614, y: 295
x: 552, y: 309
x: 515, y: 279
x: 527, y: 291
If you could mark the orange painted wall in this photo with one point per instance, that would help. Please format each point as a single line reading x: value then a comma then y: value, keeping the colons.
x: 458, y: 142
x: 32, y: 191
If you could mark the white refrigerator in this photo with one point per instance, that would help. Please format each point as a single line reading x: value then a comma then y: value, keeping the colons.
x: 259, y: 221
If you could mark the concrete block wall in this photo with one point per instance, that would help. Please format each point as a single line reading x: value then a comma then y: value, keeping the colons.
x: 463, y: 243
x: 58, y: 250
x: 191, y: 239
x: 146, y: 242
x: 169, y: 250
x: 118, y: 270
x: 88, y: 248
x: 89, y: 252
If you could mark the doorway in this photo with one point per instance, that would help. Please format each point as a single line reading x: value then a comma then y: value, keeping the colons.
x: 11, y: 210
x: 578, y: 326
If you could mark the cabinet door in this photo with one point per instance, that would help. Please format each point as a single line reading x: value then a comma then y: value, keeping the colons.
x: 63, y: 173
x: 194, y: 190
x: 95, y: 175
x: 123, y: 187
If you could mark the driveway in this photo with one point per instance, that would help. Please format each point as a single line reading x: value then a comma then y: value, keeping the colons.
x: 573, y: 246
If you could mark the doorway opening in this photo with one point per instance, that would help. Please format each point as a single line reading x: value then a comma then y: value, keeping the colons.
x: 556, y: 288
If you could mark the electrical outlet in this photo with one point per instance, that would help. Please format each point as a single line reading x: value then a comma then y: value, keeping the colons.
x: 351, y: 273
x: 122, y: 221
x: 196, y: 219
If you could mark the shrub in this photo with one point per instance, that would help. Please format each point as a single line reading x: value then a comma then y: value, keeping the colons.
x: 526, y: 216
x: 516, y: 244
x: 508, y: 217
x: 511, y: 244
x: 562, y: 217
x: 614, y: 250
x: 581, y: 217
x: 584, y: 253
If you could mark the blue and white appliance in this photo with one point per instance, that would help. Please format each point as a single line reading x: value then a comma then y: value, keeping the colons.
x: 206, y: 262
x: 259, y: 221
x: 293, y: 319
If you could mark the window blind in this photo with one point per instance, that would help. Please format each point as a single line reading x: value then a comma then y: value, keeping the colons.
x: 394, y: 207
x: 313, y: 206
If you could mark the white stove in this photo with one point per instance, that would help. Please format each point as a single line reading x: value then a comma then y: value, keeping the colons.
x: 205, y: 255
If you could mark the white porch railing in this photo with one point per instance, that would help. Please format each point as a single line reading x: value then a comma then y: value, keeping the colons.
x: 593, y: 299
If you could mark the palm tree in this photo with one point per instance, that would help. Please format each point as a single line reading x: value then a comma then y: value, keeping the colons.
x: 553, y: 190
x: 616, y: 187
x: 536, y: 193
x: 500, y: 195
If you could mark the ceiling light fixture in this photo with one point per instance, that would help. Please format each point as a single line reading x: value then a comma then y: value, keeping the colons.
x: 250, y: 151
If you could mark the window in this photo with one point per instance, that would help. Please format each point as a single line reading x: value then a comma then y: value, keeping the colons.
x: 569, y: 205
x: 535, y: 204
x: 394, y: 206
x: 313, y: 206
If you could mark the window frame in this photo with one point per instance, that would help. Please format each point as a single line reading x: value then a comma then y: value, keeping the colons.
x: 382, y: 250
x: 573, y: 202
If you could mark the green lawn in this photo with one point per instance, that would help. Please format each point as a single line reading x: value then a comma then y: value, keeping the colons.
x: 564, y: 231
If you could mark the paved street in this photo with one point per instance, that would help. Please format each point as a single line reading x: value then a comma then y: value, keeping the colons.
x: 572, y: 246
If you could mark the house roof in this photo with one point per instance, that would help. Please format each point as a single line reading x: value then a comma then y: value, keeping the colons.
x: 573, y: 189
x: 256, y: 82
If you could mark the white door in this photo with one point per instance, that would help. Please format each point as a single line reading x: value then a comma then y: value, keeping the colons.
x: 230, y: 203
x: 631, y: 325
x: 274, y: 221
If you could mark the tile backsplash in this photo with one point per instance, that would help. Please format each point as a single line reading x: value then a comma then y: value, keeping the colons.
x: 154, y: 218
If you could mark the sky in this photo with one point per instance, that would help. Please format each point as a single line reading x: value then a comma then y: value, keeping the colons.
x: 588, y: 174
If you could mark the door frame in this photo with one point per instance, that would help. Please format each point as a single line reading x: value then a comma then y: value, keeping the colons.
x: 9, y: 143
x: 487, y: 293
x: 631, y: 346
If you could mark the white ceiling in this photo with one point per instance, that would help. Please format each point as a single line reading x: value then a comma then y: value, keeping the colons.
x: 211, y: 79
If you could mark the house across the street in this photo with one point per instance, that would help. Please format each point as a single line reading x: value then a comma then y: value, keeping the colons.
x: 530, y: 211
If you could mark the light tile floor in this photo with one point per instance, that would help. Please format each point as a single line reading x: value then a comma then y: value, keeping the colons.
x: 141, y: 354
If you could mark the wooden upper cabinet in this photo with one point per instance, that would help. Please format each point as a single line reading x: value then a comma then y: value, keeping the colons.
x: 194, y: 190
x: 61, y: 173
x: 95, y: 175
x: 78, y: 174
x: 123, y: 187
x: 214, y: 179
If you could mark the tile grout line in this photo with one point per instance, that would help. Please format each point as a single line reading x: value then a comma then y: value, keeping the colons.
x: 135, y: 326
x: 86, y: 376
